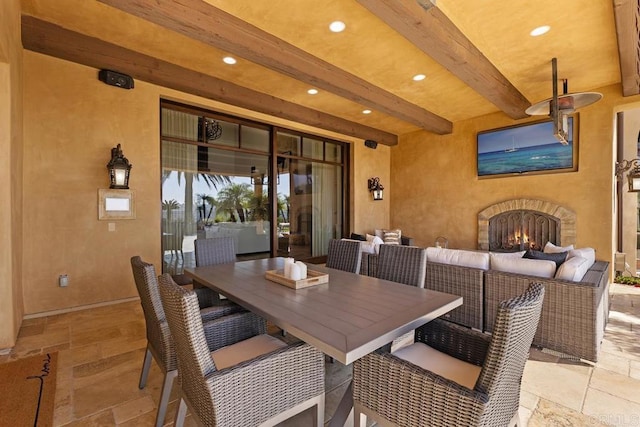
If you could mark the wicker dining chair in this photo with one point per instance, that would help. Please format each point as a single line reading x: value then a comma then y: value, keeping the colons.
x: 402, y: 264
x: 451, y: 376
x: 259, y: 381
x: 215, y: 250
x: 345, y: 255
x: 159, y: 343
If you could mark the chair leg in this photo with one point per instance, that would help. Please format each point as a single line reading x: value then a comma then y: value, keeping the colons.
x: 516, y: 421
x: 164, y: 397
x: 359, y: 419
x: 146, y: 365
x: 181, y: 413
x: 319, y: 414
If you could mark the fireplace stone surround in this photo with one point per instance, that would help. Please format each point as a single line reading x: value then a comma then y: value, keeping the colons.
x: 556, y: 224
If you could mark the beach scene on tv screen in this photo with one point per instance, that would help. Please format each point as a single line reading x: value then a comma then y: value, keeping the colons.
x: 523, y: 149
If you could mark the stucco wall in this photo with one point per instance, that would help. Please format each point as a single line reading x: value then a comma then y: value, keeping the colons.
x: 11, y: 307
x: 369, y: 214
x: 437, y: 191
x: 72, y: 120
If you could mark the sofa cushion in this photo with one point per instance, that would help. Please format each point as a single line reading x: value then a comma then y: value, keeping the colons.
x: 550, y: 248
x: 529, y: 267
x: 588, y: 253
x: 573, y: 269
x: 558, y: 258
x: 459, y: 257
x: 356, y: 236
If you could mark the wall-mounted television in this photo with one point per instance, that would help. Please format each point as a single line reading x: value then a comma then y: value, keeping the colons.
x: 530, y: 148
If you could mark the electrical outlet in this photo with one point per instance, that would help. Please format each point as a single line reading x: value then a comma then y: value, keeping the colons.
x: 112, y: 226
x: 63, y: 280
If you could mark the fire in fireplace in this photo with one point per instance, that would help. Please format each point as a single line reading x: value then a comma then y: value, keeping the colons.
x: 520, y: 224
x: 521, y: 230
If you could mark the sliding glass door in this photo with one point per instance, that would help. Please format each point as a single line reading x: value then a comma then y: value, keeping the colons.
x: 217, y: 180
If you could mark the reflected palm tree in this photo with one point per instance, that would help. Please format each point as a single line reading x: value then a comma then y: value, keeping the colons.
x: 234, y: 198
x: 211, y: 180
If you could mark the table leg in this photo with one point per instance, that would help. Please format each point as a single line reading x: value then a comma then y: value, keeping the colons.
x: 344, y: 408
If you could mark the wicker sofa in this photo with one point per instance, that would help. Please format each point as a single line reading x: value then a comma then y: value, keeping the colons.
x: 574, y: 314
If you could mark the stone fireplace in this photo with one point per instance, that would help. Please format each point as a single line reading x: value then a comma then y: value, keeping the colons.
x: 521, y: 224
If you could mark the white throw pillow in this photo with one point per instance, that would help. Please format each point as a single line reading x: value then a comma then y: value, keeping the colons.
x: 528, y: 267
x: 550, y: 248
x: 573, y: 269
x: 368, y: 247
x: 588, y: 253
x: 459, y: 257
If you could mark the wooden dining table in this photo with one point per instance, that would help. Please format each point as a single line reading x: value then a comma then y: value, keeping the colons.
x: 346, y: 318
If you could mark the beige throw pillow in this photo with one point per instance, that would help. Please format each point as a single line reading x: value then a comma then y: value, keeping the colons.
x: 392, y: 237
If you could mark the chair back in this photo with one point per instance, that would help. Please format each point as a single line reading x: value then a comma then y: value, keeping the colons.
x: 194, y: 359
x: 345, y: 255
x: 158, y: 335
x: 402, y: 264
x: 515, y: 326
x: 216, y: 250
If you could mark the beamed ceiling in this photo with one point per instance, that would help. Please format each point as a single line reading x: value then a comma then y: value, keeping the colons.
x: 478, y: 56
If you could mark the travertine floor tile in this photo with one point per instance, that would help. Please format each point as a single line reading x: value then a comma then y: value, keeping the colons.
x: 613, y: 362
x: 97, y: 397
x: 549, y: 414
x: 562, y: 384
x: 615, y: 384
x: 103, y: 370
x: 610, y: 409
x: 133, y: 409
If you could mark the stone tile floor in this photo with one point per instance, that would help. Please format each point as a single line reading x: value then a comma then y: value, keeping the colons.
x: 101, y: 352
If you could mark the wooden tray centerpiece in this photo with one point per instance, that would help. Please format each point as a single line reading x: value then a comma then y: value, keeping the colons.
x: 313, y: 278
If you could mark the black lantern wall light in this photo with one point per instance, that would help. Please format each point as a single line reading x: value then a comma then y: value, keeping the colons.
x: 119, y: 168
x: 375, y: 188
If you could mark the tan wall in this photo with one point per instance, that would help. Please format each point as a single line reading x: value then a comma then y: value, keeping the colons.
x: 73, y: 122
x: 367, y: 213
x: 11, y: 307
x: 437, y: 191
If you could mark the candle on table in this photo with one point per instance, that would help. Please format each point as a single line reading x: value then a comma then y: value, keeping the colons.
x: 303, y: 269
x: 287, y: 267
x: 295, y: 272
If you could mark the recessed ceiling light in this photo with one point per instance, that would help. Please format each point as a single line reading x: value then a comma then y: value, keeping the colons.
x: 419, y: 77
x: 312, y: 91
x: 540, y: 30
x: 337, y: 26
x: 229, y: 60
x: 366, y: 111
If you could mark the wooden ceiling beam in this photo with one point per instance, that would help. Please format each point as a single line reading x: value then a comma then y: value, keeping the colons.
x: 627, y: 13
x: 51, y: 39
x: 201, y: 21
x: 429, y: 29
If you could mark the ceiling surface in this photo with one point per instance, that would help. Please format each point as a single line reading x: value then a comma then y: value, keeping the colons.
x: 369, y: 65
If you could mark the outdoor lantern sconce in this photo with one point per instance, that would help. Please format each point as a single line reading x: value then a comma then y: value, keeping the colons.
x: 119, y: 168
x: 633, y: 166
x: 375, y: 188
x: 257, y: 178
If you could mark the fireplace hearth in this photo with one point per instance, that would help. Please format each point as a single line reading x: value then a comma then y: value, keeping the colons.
x: 521, y: 224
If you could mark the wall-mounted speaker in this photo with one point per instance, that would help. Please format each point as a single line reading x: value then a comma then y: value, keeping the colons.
x: 114, y: 78
x: 370, y: 143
